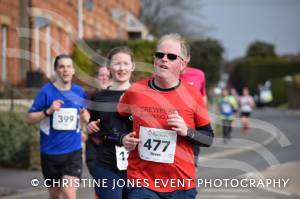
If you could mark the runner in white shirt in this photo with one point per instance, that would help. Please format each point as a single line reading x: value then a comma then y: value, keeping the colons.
x: 246, y: 105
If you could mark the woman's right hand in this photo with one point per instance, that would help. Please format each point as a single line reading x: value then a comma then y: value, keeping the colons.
x: 93, y: 126
x: 129, y: 141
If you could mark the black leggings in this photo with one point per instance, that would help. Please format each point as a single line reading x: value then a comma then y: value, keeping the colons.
x: 227, y: 129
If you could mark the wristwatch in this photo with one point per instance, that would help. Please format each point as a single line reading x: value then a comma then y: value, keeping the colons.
x: 45, y: 113
x: 191, y: 133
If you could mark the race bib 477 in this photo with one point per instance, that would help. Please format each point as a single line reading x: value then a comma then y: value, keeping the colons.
x: 157, y: 145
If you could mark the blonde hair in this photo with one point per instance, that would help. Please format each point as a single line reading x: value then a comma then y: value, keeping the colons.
x: 184, y: 47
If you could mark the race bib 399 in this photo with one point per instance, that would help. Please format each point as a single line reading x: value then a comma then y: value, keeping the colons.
x: 65, y: 119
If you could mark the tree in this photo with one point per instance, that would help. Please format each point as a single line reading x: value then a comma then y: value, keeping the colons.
x: 165, y: 16
x: 207, y: 55
x: 261, y: 49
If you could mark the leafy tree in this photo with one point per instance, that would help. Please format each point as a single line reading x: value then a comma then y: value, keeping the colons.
x: 261, y: 49
x: 207, y: 55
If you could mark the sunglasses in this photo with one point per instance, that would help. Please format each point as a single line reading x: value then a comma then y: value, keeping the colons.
x: 170, y: 56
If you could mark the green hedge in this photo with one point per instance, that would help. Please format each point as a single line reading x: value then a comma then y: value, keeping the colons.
x: 253, y: 71
x: 15, y: 140
x: 83, y: 62
x: 88, y: 58
x: 296, y: 82
x: 279, y: 91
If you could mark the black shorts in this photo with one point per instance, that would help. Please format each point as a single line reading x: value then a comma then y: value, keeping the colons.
x: 245, y: 114
x: 54, y: 167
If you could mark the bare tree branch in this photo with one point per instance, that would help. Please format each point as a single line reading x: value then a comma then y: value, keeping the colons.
x: 164, y: 16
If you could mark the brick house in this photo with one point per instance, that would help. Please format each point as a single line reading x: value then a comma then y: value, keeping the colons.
x: 33, y: 32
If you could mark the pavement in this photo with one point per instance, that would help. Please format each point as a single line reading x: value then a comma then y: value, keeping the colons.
x: 288, y: 171
x: 17, y: 183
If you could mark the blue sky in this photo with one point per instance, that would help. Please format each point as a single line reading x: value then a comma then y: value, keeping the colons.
x: 237, y: 23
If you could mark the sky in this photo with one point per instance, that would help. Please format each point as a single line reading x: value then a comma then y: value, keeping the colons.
x: 238, y: 23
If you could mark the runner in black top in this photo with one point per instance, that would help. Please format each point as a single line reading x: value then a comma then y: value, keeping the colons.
x: 111, y: 162
x: 112, y: 126
x: 93, y: 140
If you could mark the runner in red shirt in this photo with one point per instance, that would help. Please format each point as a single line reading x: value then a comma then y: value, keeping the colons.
x: 169, y: 118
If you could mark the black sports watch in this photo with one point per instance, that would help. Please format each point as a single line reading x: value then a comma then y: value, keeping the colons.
x: 45, y: 113
x: 191, y: 133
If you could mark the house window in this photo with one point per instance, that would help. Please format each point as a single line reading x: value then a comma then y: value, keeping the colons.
x: 48, y: 52
x: 39, y: 23
x: 37, y: 47
x: 89, y: 4
x: 134, y: 35
x: 70, y: 2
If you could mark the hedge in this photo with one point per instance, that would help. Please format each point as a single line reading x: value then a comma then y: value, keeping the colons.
x: 251, y: 72
x: 279, y: 91
x: 15, y: 140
